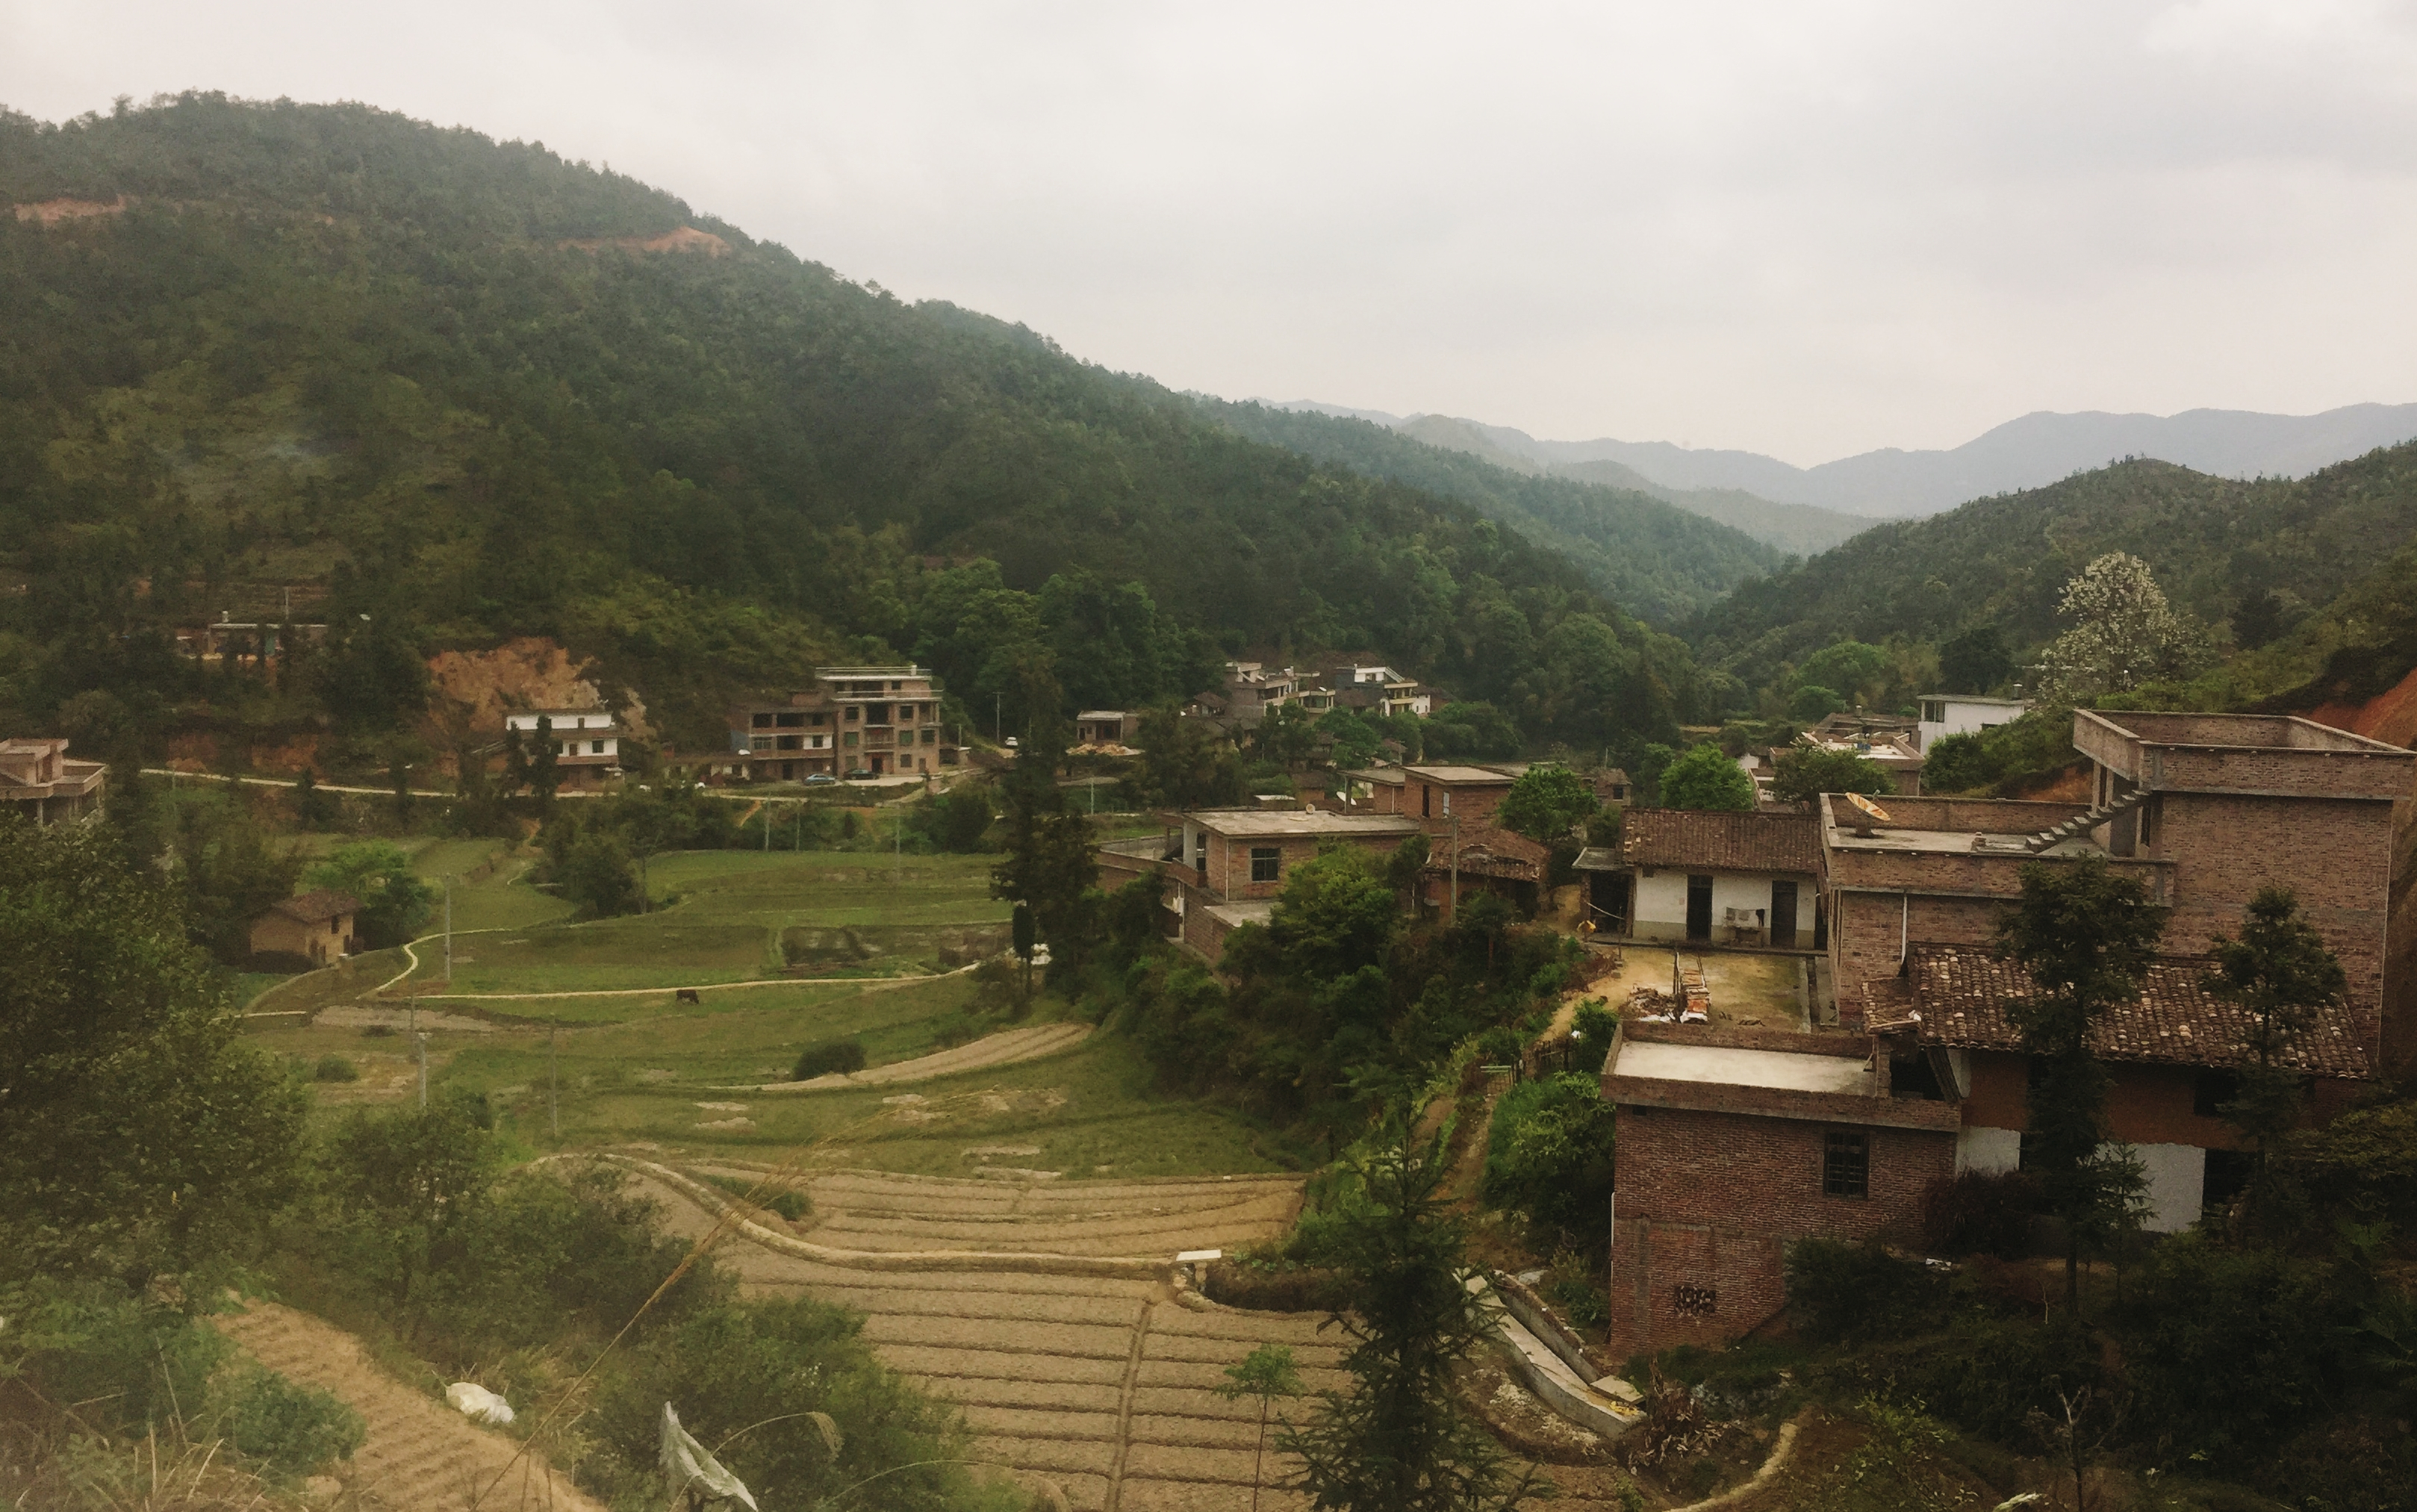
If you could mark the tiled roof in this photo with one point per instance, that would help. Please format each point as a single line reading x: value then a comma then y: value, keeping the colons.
x: 1491, y: 852
x: 1962, y: 992
x: 1719, y: 840
x: 318, y: 908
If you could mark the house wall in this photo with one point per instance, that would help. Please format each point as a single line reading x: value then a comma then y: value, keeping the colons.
x: 1228, y: 875
x: 1658, y: 909
x: 1472, y: 804
x: 1710, y: 1201
x: 275, y: 934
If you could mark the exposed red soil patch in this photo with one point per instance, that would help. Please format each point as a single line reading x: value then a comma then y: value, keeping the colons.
x: 685, y: 240
x: 51, y: 212
x: 2390, y: 715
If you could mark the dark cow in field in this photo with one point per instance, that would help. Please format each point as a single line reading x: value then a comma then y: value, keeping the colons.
x: 685, y: 995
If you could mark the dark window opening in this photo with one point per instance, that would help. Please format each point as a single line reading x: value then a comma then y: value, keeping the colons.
x: 1846, y: 1164
x: 2228, y: 1174
x: 1912, y: 1076
x: 1694, y: 1300
x: 1266, y: 862
x: 2211, y: 1090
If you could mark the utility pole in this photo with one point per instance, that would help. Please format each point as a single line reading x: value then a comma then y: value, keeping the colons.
x: 998, y: 717
x: 419, y: 1043
x: 553, y: 1086
x: 449, y: 929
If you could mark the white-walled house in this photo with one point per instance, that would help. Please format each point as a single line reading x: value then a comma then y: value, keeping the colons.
x: 1722, y: 877
x: 587, y: 742
x: 1961, y: 713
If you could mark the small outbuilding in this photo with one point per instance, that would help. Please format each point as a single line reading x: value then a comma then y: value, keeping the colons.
x: 1720, y: 878
x: 315, y: 927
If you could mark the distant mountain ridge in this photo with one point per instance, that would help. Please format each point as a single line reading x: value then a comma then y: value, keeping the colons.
x: 2034, y: 451
x: 1799, y: 529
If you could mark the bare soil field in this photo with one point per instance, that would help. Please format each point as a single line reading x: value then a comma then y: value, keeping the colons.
x: 421, y: 1455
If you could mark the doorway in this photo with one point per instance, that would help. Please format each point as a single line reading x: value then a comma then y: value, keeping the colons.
x: 1699, y: 907
x: 1783, y: 914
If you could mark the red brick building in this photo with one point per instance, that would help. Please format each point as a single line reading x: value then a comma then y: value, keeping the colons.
x: 1224, y: 867
x: 1733, y: 1144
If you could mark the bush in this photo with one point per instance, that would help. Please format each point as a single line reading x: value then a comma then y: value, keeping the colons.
x: 1548, y: 1155
x: 763, y: 1364
x: 290, y: 1429
x: 1595, y: 1024
x: 1974, y: 1214
x: 827, y: 1058
x: 335, y: 1068
x: 1985, y: 1374
x: 1844, y: 1292
x: 117, y: 1358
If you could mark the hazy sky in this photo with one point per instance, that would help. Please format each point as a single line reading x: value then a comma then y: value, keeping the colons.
x: 1798, y: 228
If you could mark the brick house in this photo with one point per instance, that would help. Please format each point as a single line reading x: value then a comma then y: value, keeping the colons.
x: 1437, y: 795
x: 1733, y: 1143
x: 884, y: 720
x: 316, y: 928
x: 2169, y: 1054
x: 1224, y: 867
x: 1735, y: 879
x: 1724, y: 1158
x: 1482, y: 858
x: 586, y: 743
x: 1105, y: 727
x: 41, y: 781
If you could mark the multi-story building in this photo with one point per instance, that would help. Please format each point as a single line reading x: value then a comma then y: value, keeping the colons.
x: 40, y: 780
x: 1963, y: 713
x: 586, y: 743
x: 881, y: 720
x: 1379, y: 689
x: 1224, y: 867
x: 1730, y: 1147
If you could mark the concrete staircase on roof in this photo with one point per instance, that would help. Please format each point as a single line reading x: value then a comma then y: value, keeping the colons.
x: 2084, y: 823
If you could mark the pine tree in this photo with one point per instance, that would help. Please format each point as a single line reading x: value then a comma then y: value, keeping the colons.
x: 2280, y: 972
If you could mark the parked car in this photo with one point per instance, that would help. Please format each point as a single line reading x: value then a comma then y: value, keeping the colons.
x: 820, y: 779
x: 861, y: 774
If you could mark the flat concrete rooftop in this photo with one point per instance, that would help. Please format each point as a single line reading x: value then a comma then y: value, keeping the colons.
x: 1722, y: 1066
x: 1279, y: 822
x: 1929, y: 841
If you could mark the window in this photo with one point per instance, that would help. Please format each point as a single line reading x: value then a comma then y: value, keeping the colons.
x: 760, y: 722
x: 1694, y: 1300
x: 851, y: 714
x: 595, y: 748
x: 849, y: 739
x: 1266, y: 862
x: 1846, y: 1164
x: 2211, y: 1090
x: 931, y: 735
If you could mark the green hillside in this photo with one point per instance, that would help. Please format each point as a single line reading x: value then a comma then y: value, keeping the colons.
x: 1661, y: 560
x: 2002, y: 561
x: 330, y: 350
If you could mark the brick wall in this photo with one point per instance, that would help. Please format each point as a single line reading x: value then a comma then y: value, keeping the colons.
x: 1708, y: 1200
x: 1423, y: 801
x: 1229, y: 860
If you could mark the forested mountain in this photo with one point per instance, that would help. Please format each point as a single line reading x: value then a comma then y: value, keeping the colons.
x: 2215, y: 543
x: 1792, y: 529
x: 468, y: 390
x: 1660, y: 561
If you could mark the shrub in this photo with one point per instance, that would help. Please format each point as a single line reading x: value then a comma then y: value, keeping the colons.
x: 1985, y: 1374
x: 1844, y: 1292
x: 117, y: 1358
x: 764, y: 1364
x: 828, y: 1057
x: 1974, y: 1213
x: 290, y: 1429
x: 1595, y: 1025
x: 1548, y: 1155
x: 335, y: 1068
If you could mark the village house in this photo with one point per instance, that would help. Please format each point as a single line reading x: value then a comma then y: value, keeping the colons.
x: 1732, y: 1145
x: 41, y: 781
x: 1224, y: 867
x: 1482, y: 858
x: 1962, y: 713
x: 1711, y: 877
x: 1106, y: 727
x: 586, y: 743
x: 1438, y: 795
x: 881, y: 720
x: 315, y: 927
x: 1378, y: 690
x: 1892, y: 751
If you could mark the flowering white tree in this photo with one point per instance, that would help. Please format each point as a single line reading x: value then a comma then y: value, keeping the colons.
x: 2123, y: 633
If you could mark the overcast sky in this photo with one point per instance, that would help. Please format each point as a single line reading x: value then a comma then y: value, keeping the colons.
x: 1794, y: 228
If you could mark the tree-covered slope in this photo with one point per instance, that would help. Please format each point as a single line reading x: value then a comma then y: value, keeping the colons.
x: 2003, y: 562
x: 472, y: 390
x: 1662, y: 561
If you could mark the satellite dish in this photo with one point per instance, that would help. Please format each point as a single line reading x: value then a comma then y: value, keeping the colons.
x: 1870, y: 808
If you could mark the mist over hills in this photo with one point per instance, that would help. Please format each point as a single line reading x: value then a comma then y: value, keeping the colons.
x: 2032, y: 451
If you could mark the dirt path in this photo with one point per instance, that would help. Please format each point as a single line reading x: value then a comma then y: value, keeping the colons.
x: 1005, y: 1048
x: 421, y: 1455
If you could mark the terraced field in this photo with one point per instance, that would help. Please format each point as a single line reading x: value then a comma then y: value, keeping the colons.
x: 1102, y: 1383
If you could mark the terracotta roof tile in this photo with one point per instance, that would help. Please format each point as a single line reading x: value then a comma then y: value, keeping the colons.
x: 318, y: 908
x: 1721, y: 841
x: 1962, y: 993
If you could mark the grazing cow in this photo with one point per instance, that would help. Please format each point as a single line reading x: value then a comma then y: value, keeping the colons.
x: 685, y: 995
